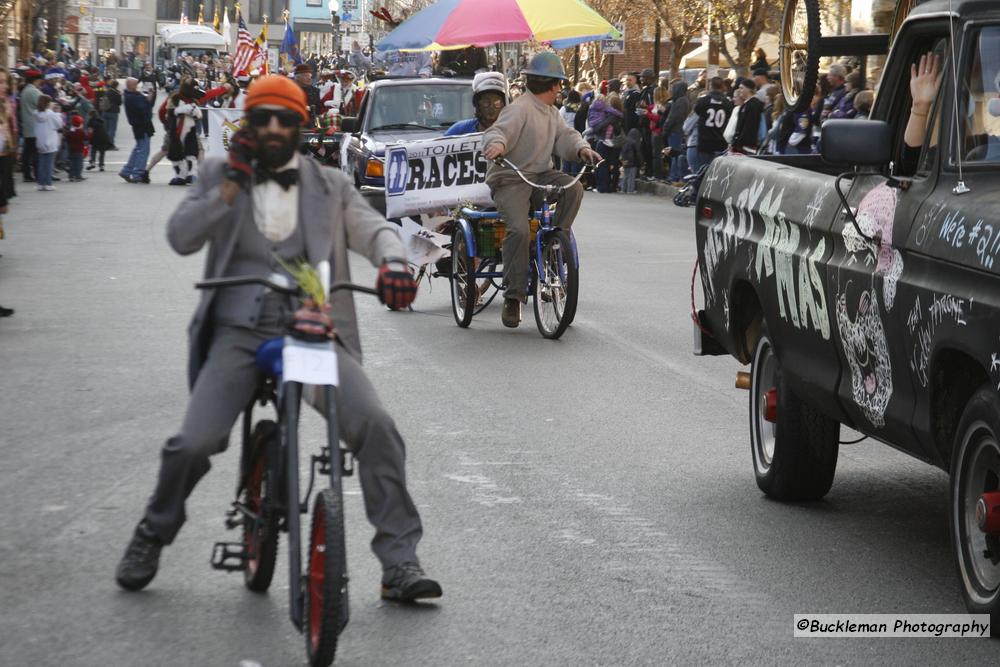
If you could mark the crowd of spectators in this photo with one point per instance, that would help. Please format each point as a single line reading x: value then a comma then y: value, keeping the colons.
x: 664, y: 130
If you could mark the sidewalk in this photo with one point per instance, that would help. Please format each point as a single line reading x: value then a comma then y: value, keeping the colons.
x: 65, y: 249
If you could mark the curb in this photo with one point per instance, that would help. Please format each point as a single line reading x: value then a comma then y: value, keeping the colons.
x: 655, y: 188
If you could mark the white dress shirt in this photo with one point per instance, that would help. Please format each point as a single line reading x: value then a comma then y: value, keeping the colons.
x: 276, y: 210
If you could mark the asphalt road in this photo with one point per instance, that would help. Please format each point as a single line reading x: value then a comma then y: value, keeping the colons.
x: 586, y: 501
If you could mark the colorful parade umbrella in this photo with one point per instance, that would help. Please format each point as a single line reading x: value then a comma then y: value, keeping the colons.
x: 454, y: 24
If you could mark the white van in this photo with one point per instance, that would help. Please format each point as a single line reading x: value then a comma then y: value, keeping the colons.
x: 192, y: 40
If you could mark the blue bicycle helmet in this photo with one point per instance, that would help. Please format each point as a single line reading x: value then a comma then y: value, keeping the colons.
x: 546, y: 64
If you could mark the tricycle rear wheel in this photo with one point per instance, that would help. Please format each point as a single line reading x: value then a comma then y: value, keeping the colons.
x: 463, y: 283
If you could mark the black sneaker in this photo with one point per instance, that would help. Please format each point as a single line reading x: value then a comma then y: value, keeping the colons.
x: 511, y: 315
x: 407, y: 582
x: 142, y: 557
x: 143, y: 176
x: 6, y: 312
x: 177, y: 180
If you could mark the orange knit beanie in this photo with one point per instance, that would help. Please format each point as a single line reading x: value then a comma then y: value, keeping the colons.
x: 279, y: 91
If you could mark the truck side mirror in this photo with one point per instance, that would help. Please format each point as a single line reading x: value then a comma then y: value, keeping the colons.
x: 349, y: 125
x: 859, y: 143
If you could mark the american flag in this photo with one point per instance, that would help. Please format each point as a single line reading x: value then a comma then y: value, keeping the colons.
x: 246, y: 49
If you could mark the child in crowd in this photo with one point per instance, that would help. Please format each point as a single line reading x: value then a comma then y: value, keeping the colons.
x: 76, y: 141
x: 48, y: 125
x: 100, y: 141
x: 601, y: 120
x: 631, y: 160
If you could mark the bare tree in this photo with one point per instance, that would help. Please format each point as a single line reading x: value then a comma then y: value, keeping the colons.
x: 616, y: 11
x: 682, y: 20
x: 747, y: 20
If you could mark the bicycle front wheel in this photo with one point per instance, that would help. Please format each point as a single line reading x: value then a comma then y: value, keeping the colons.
x: 326, y: 579
x: 556, y: 285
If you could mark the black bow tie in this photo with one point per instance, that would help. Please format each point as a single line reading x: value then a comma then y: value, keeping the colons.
x: 286, y: 178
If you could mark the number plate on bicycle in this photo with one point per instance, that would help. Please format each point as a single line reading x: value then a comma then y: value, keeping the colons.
x: 309, y: 363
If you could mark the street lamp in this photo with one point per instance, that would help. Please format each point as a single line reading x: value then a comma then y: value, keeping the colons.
x: 334, y: 6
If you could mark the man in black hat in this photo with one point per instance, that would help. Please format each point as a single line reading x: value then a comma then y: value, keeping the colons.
x: 762, y: 79
x: 648, y: 77
x: 304, y: 77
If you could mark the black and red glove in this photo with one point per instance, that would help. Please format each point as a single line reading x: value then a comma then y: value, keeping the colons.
x: 313, y: 324
x: 396, y: 289
x: 242, y: 151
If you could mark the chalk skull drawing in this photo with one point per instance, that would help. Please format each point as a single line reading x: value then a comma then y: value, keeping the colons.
x: 875, y: 215
x: 867, y: 354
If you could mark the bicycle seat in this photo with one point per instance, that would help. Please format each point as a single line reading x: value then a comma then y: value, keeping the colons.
x: 268, y: 357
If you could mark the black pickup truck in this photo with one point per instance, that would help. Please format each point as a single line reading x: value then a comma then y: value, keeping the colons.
x: 871, y: 298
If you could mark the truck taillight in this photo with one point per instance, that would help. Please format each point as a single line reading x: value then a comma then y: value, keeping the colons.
x: 374, y: 169
x: 706, y: 211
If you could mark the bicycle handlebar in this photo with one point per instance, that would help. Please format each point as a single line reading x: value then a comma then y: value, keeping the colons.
x: 278, y: 283
x: 502, y: 161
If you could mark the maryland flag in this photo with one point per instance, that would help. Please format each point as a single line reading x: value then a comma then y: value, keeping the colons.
x: 260, y: 59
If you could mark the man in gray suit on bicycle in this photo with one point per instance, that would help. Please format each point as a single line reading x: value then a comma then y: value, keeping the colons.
x: 269, y: 202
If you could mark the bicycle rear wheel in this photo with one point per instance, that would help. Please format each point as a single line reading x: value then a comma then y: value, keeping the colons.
x: 799, y: 53
x: 556, y: 285
x: 260, y: 534
x: 463, y: 284
x: 326, y: 579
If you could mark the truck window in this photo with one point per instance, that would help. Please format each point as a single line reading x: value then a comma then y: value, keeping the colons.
x: 916, y: 141
x: 979, y: 120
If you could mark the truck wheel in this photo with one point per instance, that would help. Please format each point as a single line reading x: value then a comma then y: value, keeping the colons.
x: 794, y: 446
x: 799, y: 52
x: 974, y: 515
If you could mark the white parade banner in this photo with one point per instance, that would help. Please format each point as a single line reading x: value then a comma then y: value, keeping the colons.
x: 222, y: 123
x: 435, y: 175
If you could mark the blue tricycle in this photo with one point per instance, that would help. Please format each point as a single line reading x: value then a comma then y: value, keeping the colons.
x: 476, y: 261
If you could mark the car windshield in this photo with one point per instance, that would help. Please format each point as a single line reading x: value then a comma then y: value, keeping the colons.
x: 428, y: 106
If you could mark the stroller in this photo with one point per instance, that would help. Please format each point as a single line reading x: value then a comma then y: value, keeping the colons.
x: 688, y: 193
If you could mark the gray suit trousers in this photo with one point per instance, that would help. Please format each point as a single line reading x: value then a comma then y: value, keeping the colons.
x: 516, y: 202
x: 226, y: 384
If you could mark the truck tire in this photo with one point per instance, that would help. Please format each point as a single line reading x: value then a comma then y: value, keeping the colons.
x: 800, y: 34
x: 793, y: 445
x: 975, y: 470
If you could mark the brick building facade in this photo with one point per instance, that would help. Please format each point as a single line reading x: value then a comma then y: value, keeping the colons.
x: 640, y: 36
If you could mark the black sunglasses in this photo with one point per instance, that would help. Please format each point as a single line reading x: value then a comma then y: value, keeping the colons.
x: 262, y: 117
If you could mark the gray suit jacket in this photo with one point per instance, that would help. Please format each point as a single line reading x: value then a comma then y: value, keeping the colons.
x: 334, y: 219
